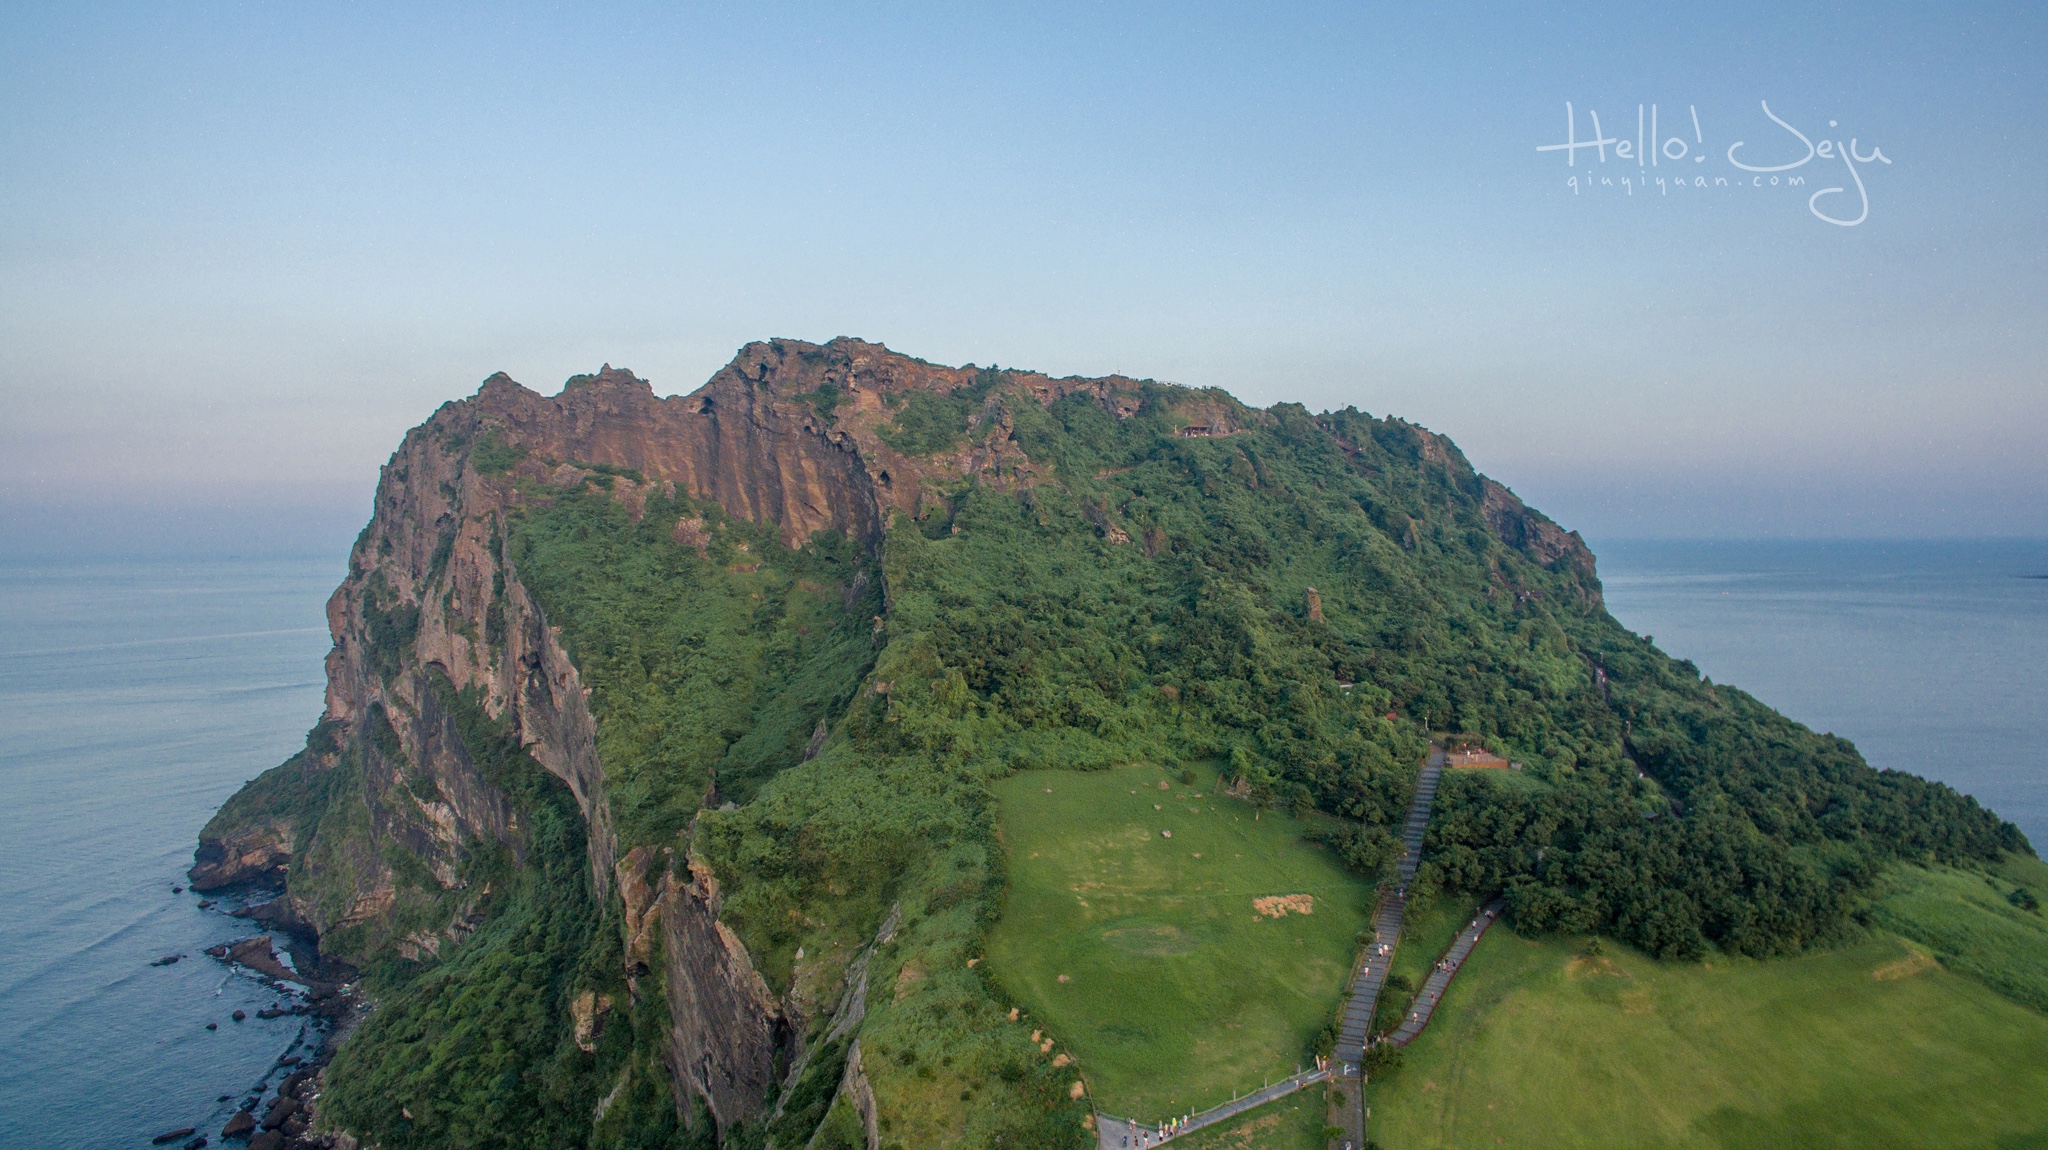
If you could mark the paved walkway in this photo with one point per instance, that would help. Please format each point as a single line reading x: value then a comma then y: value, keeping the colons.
x: 1440, y: 976
x: 1113, y: 1133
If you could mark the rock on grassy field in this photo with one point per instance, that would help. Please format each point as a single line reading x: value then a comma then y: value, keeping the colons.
x: 1540, y: 1043
x: 1148, y: 956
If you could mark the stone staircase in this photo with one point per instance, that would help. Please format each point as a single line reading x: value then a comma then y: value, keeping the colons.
x: 1370, y: 975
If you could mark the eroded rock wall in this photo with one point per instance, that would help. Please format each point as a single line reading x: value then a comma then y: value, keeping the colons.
x: 726, y: 1024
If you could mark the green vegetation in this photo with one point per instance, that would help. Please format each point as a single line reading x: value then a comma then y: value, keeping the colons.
x: 707, y: 669
x: 929, y: 421
x: 493, y: 455
x: 293, y: 793
x: 1150, y: 606
x: 1971, y: 922
x: 1766, y: 858
x: 1875, y: 1044
x: 1146, y: 956
x: 851, y: 725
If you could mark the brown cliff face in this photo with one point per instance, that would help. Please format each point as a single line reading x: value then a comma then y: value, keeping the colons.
x: 1523, y: 527
x: 790, y: 432
x: 726, y: 1025
x: 259, y: 853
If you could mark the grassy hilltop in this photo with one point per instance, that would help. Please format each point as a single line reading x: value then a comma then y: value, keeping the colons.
x: 1096, y: 586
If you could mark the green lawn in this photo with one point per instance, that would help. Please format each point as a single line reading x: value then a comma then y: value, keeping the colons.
x: 1969, y: 921
x: 1178, y: 992
x: 1876, y: 1045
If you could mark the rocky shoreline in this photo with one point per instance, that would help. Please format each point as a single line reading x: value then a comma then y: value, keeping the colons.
x: 323, y: 992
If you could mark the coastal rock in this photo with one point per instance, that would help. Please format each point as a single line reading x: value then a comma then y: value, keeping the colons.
x: 249, y: 855
x: 260, y: 956
x: 172, y: 1135
x: 279, y: 1112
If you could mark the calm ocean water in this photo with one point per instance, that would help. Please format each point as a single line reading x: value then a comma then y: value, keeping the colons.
x: 134, y: 698
x: 136, y: 695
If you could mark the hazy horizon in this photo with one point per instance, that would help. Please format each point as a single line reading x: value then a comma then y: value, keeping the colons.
x: 243, y: 251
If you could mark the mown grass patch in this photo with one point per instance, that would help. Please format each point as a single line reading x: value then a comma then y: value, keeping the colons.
x: 1146, y: 957
x: 1539, y: 1043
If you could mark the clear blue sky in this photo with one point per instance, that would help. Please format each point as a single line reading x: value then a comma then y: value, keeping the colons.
x: 243, y: 247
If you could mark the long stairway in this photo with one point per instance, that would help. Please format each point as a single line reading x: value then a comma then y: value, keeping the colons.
x: 1371, y: 974
x: 1446, y: 969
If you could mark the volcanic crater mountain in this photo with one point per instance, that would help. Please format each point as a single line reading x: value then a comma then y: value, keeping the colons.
x: 654, y: 795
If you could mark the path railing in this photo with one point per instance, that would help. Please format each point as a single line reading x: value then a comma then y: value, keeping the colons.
x: 1114, y: 1133
x: 1440, y: 975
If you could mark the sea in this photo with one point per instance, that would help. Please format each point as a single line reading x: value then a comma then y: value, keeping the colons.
x: 137, y: 693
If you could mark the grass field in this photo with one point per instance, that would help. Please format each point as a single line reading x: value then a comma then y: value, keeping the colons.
x: 1177, y: 990
x: 1875, y: 1045
x: 1971, y: 924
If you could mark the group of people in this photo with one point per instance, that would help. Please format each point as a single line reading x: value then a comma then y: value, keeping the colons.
x: 1165, y: 1130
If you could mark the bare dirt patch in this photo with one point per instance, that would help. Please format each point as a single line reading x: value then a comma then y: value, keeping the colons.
x: 1281, y: 905
x: 907, y: 979
x: 1592, y: 966
x: 1916, y: 962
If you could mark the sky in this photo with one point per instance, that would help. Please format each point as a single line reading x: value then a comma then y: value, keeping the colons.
x: 244, y: 247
